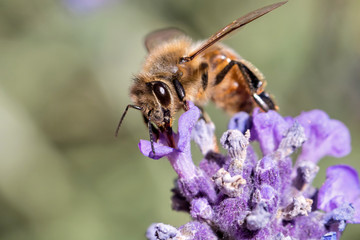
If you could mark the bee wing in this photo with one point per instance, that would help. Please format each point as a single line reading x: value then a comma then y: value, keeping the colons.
x: 235, y: 25
x: 158, y: 37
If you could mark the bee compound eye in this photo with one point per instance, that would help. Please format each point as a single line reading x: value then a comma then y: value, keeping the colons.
x: 162, y: 93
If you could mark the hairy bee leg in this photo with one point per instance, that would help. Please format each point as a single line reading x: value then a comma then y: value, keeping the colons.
x: 262, y: 99
x: 203, y: 70
x: 151, y: 137
x: 154, y: 133
x: 186, y: 105
x: 154, y: 130
x: 266, y: 98
x: 180, y: 91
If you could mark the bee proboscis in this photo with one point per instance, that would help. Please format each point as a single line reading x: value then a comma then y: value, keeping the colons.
x: 178, y: 70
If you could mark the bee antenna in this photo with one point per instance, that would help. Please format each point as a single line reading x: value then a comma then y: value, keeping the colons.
x: 123, y: 116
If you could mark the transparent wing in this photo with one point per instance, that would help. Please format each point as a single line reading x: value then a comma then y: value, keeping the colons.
x: 235, y: 25
x: 158, y: 37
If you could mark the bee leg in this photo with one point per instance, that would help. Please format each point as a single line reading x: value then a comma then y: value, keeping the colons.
x: 186, y: 105
x: 153, y: 133
x: 150, y: 126
x: 264, y: 101
x: 204, y: 115
x: 261, y: 98
x: 154, y: 130
x: 180, y: 91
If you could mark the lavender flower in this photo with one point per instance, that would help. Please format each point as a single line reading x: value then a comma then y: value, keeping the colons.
x: 341, y: 188
x: 192, y: 181
x: 242, y: 196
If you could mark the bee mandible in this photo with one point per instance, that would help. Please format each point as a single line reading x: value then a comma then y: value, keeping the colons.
x: 178, y: 70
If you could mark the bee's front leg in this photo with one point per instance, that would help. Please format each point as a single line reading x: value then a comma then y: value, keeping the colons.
x: 154, y: 133
x: 180, y: 91
x: 186, y: 105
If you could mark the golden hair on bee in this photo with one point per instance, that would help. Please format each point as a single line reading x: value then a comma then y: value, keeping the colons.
x: 177, y: 70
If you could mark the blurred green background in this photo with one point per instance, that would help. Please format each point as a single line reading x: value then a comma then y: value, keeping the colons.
x: 65, y: 70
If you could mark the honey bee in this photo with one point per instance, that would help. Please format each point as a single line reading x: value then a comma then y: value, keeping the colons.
x: 177, y: 71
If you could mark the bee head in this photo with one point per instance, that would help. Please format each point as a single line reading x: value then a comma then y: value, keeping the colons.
x: 155, y: 99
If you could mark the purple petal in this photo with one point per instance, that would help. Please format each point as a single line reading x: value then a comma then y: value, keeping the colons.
x: 325, y: 136
x: 269, y: 128
x: 341, y: 186
x: 186, y: 123
x: 160, y: 150
x: 240, y: 121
